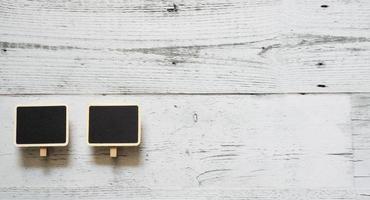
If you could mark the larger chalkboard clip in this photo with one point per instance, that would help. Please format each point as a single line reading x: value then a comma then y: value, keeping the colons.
x: 41, y: 126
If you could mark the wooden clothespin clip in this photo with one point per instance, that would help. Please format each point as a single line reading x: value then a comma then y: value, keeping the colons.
x: 43, y: 151
x: 113, y: 152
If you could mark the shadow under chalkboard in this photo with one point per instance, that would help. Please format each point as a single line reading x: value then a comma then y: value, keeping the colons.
x: 58, y: 157
x: 126, y: 156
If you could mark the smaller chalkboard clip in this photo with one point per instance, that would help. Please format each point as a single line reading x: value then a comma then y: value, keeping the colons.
x: 43, y: 151
x: 113, y: 152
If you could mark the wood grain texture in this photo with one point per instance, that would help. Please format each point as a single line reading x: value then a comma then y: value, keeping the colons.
x: 198, y: 147
x: 206, y: 46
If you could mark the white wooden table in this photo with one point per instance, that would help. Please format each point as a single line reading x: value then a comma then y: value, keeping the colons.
x: 241, y: 99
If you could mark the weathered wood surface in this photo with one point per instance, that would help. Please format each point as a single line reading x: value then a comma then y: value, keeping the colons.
x: 195, y: 146
x: 202, y: 147
x: 203, y: 46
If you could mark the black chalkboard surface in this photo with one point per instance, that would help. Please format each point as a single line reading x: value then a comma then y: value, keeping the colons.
x: 117, y: 125
x: 41, y: 126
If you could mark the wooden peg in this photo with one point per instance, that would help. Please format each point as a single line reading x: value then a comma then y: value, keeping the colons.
x: 43, y: 151
x: 113, y: 152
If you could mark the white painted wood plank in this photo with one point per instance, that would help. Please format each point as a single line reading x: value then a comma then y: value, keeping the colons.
x: 115, y: 47
x: 194, y: 146
x: 361, y: 139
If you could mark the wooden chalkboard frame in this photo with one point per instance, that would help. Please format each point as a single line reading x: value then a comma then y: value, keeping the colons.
x: 44, y: 144
x: 113, y: 144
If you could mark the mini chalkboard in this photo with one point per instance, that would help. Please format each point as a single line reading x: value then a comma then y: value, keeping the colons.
x: 41, y: 126
x: 114, y: 125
